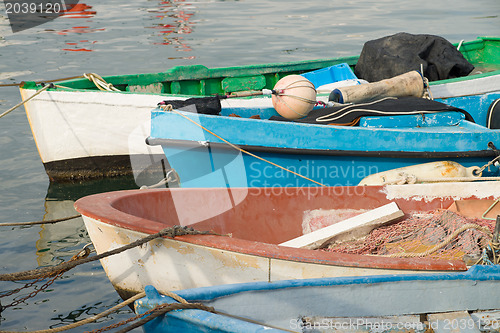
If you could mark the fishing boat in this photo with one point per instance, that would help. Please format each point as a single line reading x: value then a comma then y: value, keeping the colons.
x: 93, y: 126
x: 461, y: 302
x: 232, y: 150
x: 256, y: 233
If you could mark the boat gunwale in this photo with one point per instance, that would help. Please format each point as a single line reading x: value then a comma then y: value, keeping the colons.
x: 328, y: 152
x: 475, y: 273
x: 99, y: 207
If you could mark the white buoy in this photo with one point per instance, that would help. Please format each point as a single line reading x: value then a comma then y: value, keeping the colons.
x: 429, y: 172
x: 294, y: 97
x: 407, y: 84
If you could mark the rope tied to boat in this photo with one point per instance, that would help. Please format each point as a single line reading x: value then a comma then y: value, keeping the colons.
x: 170, y: 108
x: 170, y: 232
x: 87, y: 320
x: 171, y: 177
x: 100, y: 83
x: 494, y: 161
x: 52, y: 275
x: 151, y: 314
x: 51, y: 85
x: 53, y: 221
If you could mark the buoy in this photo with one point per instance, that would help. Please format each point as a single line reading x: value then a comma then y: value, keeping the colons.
x: 294, y: 96
x: 422, y: 173
x: 408, y: 84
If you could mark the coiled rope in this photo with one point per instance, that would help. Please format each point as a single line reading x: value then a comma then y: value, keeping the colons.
x: 100, y: 83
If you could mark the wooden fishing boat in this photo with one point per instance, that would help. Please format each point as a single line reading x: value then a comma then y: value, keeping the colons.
x: 250, y: 224
x: 83, y: 132
x: 218, y: 151
x: 461, y: 302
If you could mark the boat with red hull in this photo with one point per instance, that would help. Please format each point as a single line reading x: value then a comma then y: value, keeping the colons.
x: 247, y: 226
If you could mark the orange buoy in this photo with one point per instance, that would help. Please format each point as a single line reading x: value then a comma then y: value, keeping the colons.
x: 294, y: 96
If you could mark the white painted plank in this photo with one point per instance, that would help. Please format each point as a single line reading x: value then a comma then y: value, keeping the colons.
x: 368, y: 221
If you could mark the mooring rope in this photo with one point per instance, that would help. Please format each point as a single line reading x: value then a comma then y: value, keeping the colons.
x: 183, y: 304
x: 65, y: 266
x: 26, y: 100
x: 62, y: 219
x: 87, y: 320
x: 45, y: 81
x: 156, y: 312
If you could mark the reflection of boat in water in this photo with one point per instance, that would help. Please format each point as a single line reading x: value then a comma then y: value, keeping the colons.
x: 59, y: 240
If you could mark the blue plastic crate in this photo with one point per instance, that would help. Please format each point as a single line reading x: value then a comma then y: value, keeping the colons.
x: 330, y: 74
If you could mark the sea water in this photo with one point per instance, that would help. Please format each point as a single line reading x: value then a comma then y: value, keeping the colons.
x: 111, y: 37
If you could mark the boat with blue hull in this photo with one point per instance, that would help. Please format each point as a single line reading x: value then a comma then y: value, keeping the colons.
x: 460, y: 302
x: 477, y: 105
x: 236, y: 151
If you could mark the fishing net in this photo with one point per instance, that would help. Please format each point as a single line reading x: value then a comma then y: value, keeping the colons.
x: 441, y: 234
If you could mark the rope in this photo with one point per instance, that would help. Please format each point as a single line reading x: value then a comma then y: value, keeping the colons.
x: 169, y: 108
x: 43, y: 272
x: 100, y: 83
x: 39, y: 82
x: 161, y: 310
x: 164, y: 308
x: 170, y: 177
x: 493, y: 161
x: 443, y: 243
x: 488, y: 210
x: 40, y: 222
x: 26, y: 100
x: 87, y: 320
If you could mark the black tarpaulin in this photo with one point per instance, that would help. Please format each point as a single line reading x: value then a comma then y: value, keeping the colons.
x: 204, y: 105
x: 389, y: 56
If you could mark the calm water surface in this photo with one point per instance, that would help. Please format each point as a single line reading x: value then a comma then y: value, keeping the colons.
x: 118, y: 37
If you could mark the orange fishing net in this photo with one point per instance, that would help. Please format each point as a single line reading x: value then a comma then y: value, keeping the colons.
x: 436, y: 234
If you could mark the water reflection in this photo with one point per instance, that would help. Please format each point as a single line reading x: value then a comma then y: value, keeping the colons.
x: 79, y: 10
x: 175, y: 20
x: 169, y: 20
x: 59, y: 241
